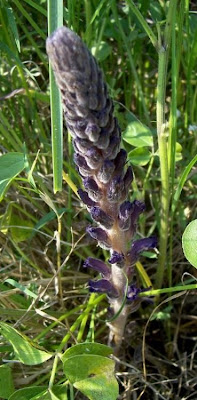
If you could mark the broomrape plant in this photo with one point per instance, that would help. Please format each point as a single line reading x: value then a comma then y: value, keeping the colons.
x: 101, y: 163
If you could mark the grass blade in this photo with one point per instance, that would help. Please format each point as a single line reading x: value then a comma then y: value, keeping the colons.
x: 55, y: 20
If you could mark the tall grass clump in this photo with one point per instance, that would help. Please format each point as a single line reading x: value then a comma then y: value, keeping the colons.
x: 98, y: 217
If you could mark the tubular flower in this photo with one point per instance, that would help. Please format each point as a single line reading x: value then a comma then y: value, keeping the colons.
x: 88, y: 112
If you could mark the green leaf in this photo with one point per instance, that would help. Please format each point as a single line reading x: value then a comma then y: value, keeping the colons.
x: 189, y: 243
x: 13, y: 26
x: 102, y: 51
x: 178, y: 154
x: 49, y: 217
x: 40, y: 392
x: 20, y: 229
x: 87, y: 348
x: 139, y: 156
x: 6, y: 376
x: 93, y: 375
x: 99, y: 387
x: 181, y: 181
x: 11, y: 164
x: 25, y: 350
x: 23, y: 288
x: 28, y: 393
x: 136, y: 133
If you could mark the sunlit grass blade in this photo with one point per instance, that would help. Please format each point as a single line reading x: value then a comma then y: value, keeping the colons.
x: 55, y: 20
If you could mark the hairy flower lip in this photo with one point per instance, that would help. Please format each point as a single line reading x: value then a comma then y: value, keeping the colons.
x: 106, y: 171
x: 98, y: 266
x: 133, y: 292
x: 116, y: 258
x: 85, y: 198
x: 101, y: 217
x: 141, y: 245
x: 92, y: 188
x: 103, y: 286
x: 98, y: 234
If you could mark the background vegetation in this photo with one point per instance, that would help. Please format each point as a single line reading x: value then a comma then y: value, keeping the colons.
x: 42, y: 234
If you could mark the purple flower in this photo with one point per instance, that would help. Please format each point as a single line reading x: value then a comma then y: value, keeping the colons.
x: 85, y: 198
x: 103, y: 286
x: 92, y: 188
x: 116, y: 258
x: 100, y: 235
x: 101, y: 217
x: 99, y: 266
x: 141, y: 245
x: 88, y: 111
x: 133, y: 291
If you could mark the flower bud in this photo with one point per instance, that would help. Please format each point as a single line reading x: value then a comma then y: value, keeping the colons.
x: 106, y: 171
x: 92, y: 188
x: 85, y: 198
x: 101, y: 217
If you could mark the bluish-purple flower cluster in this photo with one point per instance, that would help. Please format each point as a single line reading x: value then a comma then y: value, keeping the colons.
x: 101, y: 163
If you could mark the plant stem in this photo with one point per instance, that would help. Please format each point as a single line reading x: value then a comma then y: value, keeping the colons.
x: 143, y: 22
x: 157, y: 292
x: 163, y: 51
x: 55, y: 20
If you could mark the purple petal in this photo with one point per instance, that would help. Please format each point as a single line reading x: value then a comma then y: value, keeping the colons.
x: 92, y: 132
x: 85, y: 198
x: 133, y: 291
x: 112, y: 150
x: 125, y: 211
x: 103, y: 286
x: 116, y: 258
x: 97, y: 233
x: 128, y: 178
x: 93, y: 157
x: 99, y: 266
x: 103, y: 140
x: 138, y: 208
x: 101, y: 217
x: 116, y: 189
x: 93, y: 190
x: 106, y: 171
x: 82, y: 145
x: 120, y: 160
x: 141, y: 245
x: 80, y: 161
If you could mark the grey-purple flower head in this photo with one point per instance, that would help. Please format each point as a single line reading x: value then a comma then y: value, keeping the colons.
x: 88, y: 112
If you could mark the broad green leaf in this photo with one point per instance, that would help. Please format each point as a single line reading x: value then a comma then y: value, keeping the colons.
x: 20, y: 229
x: 189, y: 243
x: 28, y: 393
x: 102, y: 51
x: 136, y: 133
x: 139, y: 156
x: 87, y: 348
x: 40, y: 393
x: 6, y: 376
x: 93, y: 375
x: 99, y: 387
x: 11, y: 164
x: 25, y: 350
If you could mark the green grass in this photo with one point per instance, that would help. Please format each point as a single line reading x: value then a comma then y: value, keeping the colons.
x: 42, y: 229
